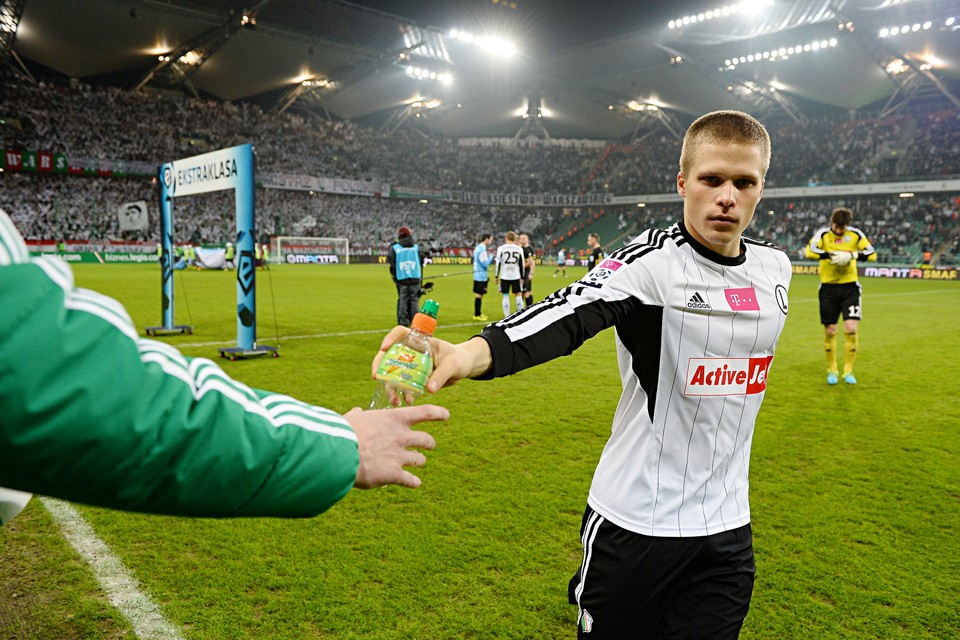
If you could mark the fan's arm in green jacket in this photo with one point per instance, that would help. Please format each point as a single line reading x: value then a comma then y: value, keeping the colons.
x: 93, y: 413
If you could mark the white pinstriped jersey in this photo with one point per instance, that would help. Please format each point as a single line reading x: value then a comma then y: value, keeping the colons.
x: 695, y: 333
x: 510, y: 262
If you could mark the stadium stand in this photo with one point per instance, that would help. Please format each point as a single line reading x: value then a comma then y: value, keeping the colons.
x: 113, y: 128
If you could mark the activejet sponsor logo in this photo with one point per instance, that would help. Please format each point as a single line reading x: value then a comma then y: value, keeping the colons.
x: 726, y: 376
x: 697, y: 301
x: 311, y: 258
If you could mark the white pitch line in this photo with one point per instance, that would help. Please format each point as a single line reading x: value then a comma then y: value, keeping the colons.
x: 117, y: 582
x: 336, y: 334
x: 339, y: 334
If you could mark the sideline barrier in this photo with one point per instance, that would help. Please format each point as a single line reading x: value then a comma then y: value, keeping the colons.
x: 100, y: 257
x: 925, y: 272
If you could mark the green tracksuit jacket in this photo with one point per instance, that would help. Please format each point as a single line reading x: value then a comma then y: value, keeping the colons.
x: 91, y: 412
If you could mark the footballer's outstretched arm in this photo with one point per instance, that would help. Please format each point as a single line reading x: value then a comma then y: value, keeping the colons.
x: 452, y: 362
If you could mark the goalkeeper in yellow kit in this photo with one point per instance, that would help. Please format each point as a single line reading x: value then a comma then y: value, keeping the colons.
x: 838, y: 248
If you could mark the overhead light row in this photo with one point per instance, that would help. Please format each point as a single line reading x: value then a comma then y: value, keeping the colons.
x: 722, y: 12
x: 751, y: 87
x: 898, y: 66
x: 635, y: 105
x: 432, y: 103
x: 642, y: 106
x: 420, y: 73
x: 781, y: 53
x: 887, y: 32
x: 192, y: 58
x: 491, y: 44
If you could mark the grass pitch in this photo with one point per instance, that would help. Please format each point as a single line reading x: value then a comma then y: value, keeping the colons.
x: 855, y: 490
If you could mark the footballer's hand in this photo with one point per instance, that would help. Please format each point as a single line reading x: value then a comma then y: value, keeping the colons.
x: 454, y: 362
x: 386, y: 444
x: 841, y: 258
x: 451, y: 362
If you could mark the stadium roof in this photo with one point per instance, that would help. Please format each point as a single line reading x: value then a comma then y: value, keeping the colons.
x: 596, y: 68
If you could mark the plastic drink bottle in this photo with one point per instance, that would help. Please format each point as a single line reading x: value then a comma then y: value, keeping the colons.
x: 406, y: 366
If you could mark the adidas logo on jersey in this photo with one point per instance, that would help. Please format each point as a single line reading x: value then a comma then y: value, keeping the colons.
x: 696, y: 301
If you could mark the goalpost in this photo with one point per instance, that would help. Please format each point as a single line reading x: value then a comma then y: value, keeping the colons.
x: 305, y: 250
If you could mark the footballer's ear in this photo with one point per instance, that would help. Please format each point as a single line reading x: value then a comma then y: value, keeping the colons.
x: 681, y: 185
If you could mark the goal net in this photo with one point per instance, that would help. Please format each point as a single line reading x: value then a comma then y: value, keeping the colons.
x: 296, y: 250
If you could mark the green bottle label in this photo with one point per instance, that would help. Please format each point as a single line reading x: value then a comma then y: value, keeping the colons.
x: 406, y: 368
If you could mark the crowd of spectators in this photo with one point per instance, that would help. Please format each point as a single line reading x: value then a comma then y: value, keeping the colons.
x: 826, y: 151
x: 902, y: 229
x: 105, y: 123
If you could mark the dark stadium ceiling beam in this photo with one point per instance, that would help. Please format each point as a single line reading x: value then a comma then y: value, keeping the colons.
x: 183, y: 9
x: 913, y: 80
x: 533, y: 126
x: 761, y: 99
x: 413, y: 114
x: 646, y: 116
x: 176, y: 67
x: 313, y: 91
x: 658, y: 116
x: 607, y: 99
x: 765, y: 99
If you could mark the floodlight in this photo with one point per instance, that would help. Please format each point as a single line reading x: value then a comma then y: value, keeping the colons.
x: 895, y: 66
x: 192, y: 58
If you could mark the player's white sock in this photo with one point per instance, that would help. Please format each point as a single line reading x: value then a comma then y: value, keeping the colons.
x: 505, y: 303
x: 519, y: 303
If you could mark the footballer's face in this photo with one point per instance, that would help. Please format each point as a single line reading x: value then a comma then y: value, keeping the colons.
x: 720, y: 191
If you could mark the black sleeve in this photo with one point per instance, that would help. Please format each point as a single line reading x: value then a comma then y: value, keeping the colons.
x: 392, y: 262
x: 543, y: 342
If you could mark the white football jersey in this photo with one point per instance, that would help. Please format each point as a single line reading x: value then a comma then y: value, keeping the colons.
x: 510, y: 261
x: 696, y: 334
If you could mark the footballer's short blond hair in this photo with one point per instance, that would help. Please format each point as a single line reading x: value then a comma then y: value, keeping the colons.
x: 721, y: 127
